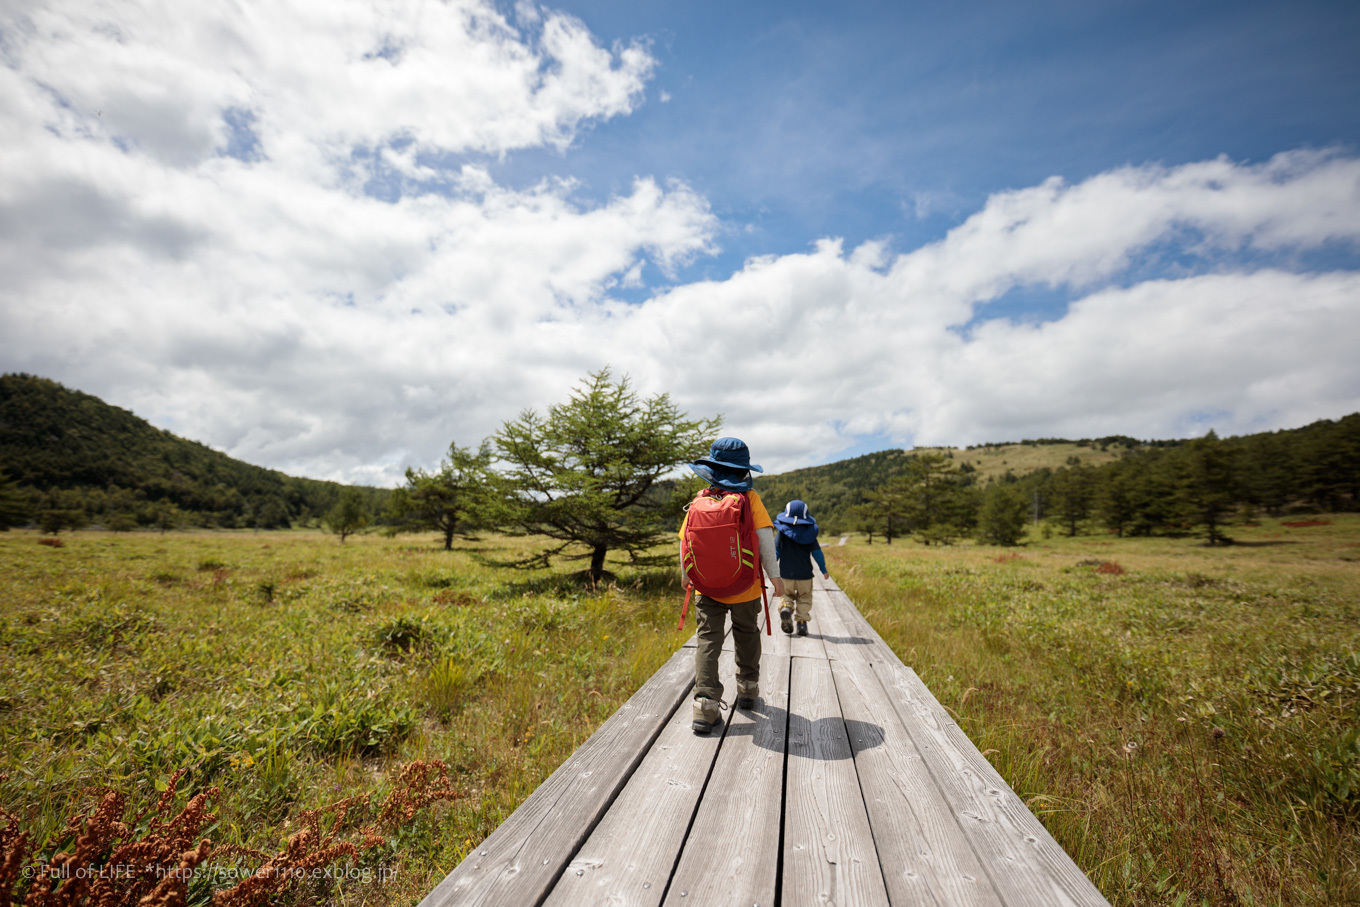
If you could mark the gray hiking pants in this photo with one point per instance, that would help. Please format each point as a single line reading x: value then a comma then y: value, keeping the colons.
x: 711, y: 616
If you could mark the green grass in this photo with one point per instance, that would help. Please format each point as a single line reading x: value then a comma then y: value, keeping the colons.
x: 1186, y: 728
x: 292, y: 671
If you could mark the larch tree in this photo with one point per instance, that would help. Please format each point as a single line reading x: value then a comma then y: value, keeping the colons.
x: 585, y: 474
x: 453, y: 500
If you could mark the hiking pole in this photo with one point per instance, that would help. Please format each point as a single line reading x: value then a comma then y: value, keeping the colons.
x: 763, y: 597
x: 684, y: 609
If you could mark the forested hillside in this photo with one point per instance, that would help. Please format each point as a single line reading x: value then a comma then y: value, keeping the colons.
x: 1115, y: 484
x: 834, y: 489
x: 77, y: 459
x: 831, y: 490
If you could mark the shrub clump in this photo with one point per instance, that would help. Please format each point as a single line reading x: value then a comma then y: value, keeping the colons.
x: 352, y: 719
x: 151, y: 860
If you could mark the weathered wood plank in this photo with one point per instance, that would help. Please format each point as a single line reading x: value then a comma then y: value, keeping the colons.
x: 1020, y: 857
x: 1023, y: 862
x: 776, y: 642
x: 837, y: 638
x: 925, y: 857
x: 829, y: 853
x: 629, y: 857
x: 520, y: 860
x: 732, y: 851
x: 868, y: 644
x: 809, y: 646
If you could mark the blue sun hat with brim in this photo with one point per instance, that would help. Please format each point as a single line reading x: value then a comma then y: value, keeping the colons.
x: 728, y: 465
x: 797, y: 524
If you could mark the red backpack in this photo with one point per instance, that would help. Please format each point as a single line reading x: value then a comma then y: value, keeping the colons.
x: 719, y: 551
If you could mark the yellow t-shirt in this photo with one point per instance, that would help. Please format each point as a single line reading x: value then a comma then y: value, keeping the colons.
x: 762, y: 520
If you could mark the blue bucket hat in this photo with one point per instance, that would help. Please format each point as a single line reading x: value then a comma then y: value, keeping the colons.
x: 728, y: 465
x: 796, y: 523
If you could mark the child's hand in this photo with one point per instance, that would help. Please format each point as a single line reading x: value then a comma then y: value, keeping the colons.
x: 826, y: 576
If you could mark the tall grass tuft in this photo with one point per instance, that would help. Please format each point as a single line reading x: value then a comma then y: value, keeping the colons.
x: 1185, y: 725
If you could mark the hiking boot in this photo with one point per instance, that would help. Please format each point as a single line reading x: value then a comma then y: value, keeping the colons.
x: 802, y: 628
x: 706, y: 715
x: 747, y: 692
x: 786, y: 619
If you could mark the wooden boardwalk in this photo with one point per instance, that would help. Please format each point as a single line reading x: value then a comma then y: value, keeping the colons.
x: 847, y: 784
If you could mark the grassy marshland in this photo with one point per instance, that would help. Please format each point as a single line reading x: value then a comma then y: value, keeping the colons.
x: 1183, y: 718
x: 291, y: 672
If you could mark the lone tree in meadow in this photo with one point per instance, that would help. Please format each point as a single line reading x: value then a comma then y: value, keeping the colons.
x: 349, y: 515
x: 453, y: 500
x: 166, y: 516
x: 585, y: 474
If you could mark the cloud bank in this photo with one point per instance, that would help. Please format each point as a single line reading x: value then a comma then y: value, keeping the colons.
x: 275, y: 230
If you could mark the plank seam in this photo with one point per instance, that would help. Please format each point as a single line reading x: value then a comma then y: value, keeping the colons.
x: 783, y: 794
x: 935, y: 778
x: 698, y: 801
x: 854, y: 757
x: 886, y: 662
x: 609, y: 802
x: 906, y: 726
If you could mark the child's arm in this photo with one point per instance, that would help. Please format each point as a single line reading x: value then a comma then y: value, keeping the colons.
x: 765, y: 535
x: 821, y: 561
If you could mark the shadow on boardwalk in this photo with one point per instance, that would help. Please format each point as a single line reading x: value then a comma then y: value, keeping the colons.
x: 832, y: 731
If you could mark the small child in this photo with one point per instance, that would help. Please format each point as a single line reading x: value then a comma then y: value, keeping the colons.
x: 795, y: 548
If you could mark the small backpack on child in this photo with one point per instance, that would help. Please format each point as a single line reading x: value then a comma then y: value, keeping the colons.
x: 719, y: 551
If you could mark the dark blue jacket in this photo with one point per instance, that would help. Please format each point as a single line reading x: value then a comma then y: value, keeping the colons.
x: 795, y: 559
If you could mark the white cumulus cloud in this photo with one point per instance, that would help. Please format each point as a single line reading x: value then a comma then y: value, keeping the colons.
x: 273, y: 229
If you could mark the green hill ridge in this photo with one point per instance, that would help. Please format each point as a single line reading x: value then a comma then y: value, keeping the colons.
x: 70, y: 451
x: 64, y: 452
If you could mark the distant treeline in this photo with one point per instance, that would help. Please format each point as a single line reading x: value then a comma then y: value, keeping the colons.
x: 1104, y: 443
x: 1206, y: 483
x: 69, y: 459
x: 1203, y: 484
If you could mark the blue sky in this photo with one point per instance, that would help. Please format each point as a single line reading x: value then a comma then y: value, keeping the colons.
x: 869, y: 120
x: 331, y: 236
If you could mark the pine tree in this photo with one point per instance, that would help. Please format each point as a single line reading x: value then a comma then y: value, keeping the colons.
x: 938, y: 508
x: 1114, y: 496
x: 453, y: 500
x: 13, y: 504
x: 1070, y: 491
x: 1002, y: 517
x: 1208, y: 485
x: 349, y: 515
x: 887, y: 506
x: 585, y: 474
